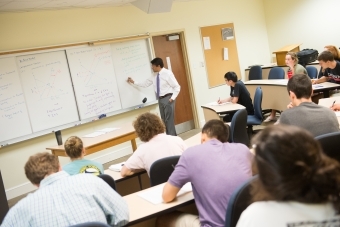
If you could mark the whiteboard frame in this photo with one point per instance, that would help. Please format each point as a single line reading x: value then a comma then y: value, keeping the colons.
x: 80, y: 122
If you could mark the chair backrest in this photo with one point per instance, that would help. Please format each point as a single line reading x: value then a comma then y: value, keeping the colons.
x: 238, y: 202
x: 330, y: 144
x: 276, y: 73
x: 258, y: 103
x: 109, y: 180
x: 255, y: 73
x: 91, y: 224
x: 312, y: 71
x: 238, y: 127
x: 161, y: 169
x: 3, y: 201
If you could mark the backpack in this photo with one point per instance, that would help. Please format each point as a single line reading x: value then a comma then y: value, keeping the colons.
x: 306, y: 56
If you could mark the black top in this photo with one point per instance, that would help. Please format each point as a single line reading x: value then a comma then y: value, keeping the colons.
x: 334, y: 74
x: 323, y: 73
x: 240, y: 91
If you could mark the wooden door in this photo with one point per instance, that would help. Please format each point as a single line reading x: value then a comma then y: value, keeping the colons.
x: 172, y: 50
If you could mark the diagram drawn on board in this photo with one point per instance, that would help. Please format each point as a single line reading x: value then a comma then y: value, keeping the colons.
x: 94, y: 80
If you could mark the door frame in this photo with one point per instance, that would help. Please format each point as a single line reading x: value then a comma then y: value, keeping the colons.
x: 187, y: 68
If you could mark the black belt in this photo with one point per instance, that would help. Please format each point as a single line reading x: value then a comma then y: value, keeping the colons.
x: 165, y: 95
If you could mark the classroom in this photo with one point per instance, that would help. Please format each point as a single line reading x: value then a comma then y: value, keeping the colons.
x: 261, y: 27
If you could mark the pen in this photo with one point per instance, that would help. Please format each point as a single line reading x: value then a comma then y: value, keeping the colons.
x: 333, y: 103
x: 219, y: 98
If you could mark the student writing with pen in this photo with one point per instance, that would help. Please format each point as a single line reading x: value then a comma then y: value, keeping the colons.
x: 238, y: 94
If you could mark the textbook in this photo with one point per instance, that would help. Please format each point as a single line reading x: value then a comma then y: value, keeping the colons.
x: 117, y: 167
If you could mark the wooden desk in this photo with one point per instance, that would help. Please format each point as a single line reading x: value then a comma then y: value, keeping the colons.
x: 275, y: 94
x: 123, y: 134
x: 212, y: 112
x: 140, y: 209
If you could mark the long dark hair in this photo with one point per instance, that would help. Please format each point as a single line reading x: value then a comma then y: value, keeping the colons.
x: 292, y: 167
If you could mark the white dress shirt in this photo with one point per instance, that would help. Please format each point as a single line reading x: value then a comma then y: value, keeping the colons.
x: 167, y: 83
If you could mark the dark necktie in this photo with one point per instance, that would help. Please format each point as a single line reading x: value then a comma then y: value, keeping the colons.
x: 158, y: 88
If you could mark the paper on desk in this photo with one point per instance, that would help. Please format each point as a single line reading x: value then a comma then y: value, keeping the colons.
x: 154, y: 195
x: 337, y: 113
x: 106, y: 130
x: 216, y: 104
x: 94, y: 134
x: 117, y: 167
x: 317, y: 85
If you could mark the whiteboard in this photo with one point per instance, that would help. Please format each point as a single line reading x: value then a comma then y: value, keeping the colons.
x: 94, y: 80
x: 47, y: 89
x: 14, y: 121
x: 132, y: 59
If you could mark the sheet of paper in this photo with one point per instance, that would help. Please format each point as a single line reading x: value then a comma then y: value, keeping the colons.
x: 117, y: 167
x: 225, y: 54
x: 154, y: 195
x: 337, y: 113
x: 94, y: 134
x: 316, y: 86
x: 106, y: 130
x: 216, y: 104
x: 206, y: 43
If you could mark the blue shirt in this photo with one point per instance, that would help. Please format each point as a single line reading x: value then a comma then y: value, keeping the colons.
x: 64, y: 200
x: 83, y: 166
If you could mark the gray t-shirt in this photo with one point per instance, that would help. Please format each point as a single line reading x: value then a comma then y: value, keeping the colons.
x: 215, y: 170
x: 316, y: 119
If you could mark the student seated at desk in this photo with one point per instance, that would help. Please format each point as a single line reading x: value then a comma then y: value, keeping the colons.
x: 64, y: 200
x: 297, y: 186
x: 332, y: 68
x: 238, y: 94
x: 303, y: 112
x: 336, y: 53
x: 294, y: 68
x: 75, y: 150
x: 151, y: 130
x: 215, y: 169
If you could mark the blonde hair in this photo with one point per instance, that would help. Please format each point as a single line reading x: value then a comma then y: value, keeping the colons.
x: 294, y: 57
x: 41, y: 165
x: 334, y: 50
x: 74, y: 147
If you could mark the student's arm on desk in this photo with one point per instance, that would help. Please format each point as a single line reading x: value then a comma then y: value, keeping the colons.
x: 220, y: 101
x: 321, y: 80
x: 336, y: 107
x: 234, y: 100
x: 169, y: 192
x: 133, y: 165
x: 126, y: 172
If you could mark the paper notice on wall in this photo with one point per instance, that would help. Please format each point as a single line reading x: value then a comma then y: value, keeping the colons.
x: 168, y: 62
x: 206, y: 43
x: 225, y: 54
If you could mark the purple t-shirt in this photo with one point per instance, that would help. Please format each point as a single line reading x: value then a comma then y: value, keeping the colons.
x: 215, y: 170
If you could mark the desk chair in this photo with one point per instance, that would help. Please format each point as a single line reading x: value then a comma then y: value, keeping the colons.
x: 238, y: 128
x: 257, y: 118
x: 238, y: 202
x: 109, y: 180
x: 330, y: 144
x: 161, y: 169
x: 3, y: 201
x: 91, y: 224
x: 274, y: 73
x: 255, y: 73
x: 312, y: 71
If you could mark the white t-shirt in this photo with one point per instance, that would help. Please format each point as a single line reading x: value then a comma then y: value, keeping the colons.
x: 160, y: 146
x: 289, y: 214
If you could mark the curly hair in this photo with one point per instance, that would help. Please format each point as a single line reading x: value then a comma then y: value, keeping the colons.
x: 41, y: 165
x: 292, y: 167
x: 74, y: 147
x: 147, y: 125
x: 294, y: 57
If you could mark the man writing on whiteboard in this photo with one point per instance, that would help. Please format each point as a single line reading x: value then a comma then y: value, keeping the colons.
x: 166, y: 88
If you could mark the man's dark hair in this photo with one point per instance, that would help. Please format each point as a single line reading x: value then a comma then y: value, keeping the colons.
x: 216, y: 129
x: 301, y: 85
x: 231, y: 76
x: 326, y: 56
x: 157, y: 62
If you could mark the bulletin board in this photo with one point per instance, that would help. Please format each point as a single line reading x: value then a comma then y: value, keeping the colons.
x: 220, y: 52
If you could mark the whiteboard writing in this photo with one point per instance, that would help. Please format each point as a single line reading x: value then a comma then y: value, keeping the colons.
x: 13, y: 112
x: 48, y: 90
x: 94, y: 80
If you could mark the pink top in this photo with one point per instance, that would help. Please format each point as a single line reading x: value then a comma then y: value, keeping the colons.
x: 160, y: 146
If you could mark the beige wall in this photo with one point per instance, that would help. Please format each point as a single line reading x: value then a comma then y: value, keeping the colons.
x: 45, y: 28
x: 313, y: 23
